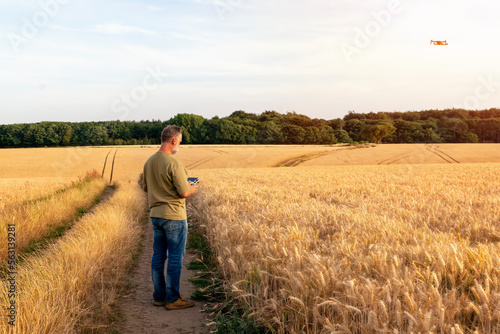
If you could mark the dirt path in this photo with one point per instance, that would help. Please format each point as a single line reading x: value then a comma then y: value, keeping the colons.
x: 140, y: 316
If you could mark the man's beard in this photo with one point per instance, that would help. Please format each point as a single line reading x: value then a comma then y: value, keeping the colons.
x: 175, y: 149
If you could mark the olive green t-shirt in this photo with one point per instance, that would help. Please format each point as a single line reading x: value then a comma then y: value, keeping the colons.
x: 164, y: 178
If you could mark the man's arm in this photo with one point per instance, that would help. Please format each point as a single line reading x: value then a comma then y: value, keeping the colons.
x: 179, y: 178
x: 190, y: 192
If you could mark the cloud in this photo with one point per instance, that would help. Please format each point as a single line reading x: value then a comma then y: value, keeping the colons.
x: 154, y: 8
x: 118, y: 29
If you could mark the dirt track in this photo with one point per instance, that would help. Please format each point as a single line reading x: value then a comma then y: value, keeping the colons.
x: 140, y: 316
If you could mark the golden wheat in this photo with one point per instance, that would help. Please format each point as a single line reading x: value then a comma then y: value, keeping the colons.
x: 34, y: 218
x: 71, y: 285
x: 16, y: 190
x: 341, y: 249
x: 361, y: 248
x: 68, y: 162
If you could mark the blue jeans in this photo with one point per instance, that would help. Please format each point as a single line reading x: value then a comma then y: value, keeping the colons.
x: 169, y: 238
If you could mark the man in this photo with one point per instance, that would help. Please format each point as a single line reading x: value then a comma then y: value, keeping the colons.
x: 165, y: 181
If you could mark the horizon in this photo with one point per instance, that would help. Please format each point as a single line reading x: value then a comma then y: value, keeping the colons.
x: 256, y: 114
x: 75, y: 61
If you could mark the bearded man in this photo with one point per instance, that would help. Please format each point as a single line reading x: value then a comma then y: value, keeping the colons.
x: 165, y: 180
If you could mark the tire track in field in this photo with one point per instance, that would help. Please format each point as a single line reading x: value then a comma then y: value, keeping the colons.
x: 297, y: 160
x: 400, y: 158
x: 396, y: 158
x: 201, y: 161
x: 433, y: 149
x: 221, y: 151
x: 446, y: 155
x: 206, y: 159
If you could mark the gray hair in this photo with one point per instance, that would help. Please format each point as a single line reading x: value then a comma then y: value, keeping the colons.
x: 170, y: 132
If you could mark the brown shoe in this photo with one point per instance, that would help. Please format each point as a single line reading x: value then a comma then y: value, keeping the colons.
x: 179, y: 304
x: 159, y: 303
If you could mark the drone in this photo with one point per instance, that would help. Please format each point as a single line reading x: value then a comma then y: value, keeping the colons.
x: 439, y: 42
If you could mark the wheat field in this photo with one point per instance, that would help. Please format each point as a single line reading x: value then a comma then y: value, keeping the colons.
x: 72, y: 285
x: 36, y: 218
x: 66, y: 163
x: 360, y: 249
x: 16, y: 190
x: 339, y: 239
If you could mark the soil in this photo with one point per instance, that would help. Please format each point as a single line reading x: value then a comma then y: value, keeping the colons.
x: 139, y: 314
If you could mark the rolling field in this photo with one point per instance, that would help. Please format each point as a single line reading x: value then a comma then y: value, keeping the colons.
x: 65, y: 164
x: 339, y: 239
x: 412, y: 154
x: 360, y: 249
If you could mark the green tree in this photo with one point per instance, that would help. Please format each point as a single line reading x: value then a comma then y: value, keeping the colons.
x: 378, y: 131
x: 269, y: 132
x: 297, y: 119
x: 241, y: 115
x: 34, y: 135
x: 270, y: 115
x: 189, y: 124
x: 66, y: 132
x: 431, y: 136
x: 488, y: 130
x: 407, y: 132
x: 328, y: 136
x: 453, y: 128
x: 96, y: 134
x: 353, y: 127
x: 469, y: 137
x: 53, y: 138
x: 351, y: 114
x: 294, y: 134
x: 223, y: 131
x: 312, y: 135
x: 11, y: 135
x: 336, y: 124
x: 342, y: 136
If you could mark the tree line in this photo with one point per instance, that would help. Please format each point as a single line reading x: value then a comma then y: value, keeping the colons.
x: 269, y: 127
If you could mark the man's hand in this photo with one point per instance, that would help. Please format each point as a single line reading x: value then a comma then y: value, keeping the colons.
x: 190, y: 192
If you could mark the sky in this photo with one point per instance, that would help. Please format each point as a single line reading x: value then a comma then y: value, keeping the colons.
x: 75, y: 60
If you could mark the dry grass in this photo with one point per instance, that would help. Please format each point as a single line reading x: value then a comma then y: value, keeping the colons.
x: 71, y: 285
x: 16, y: 190
x: 35, y: 217
x: 360, y: 249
